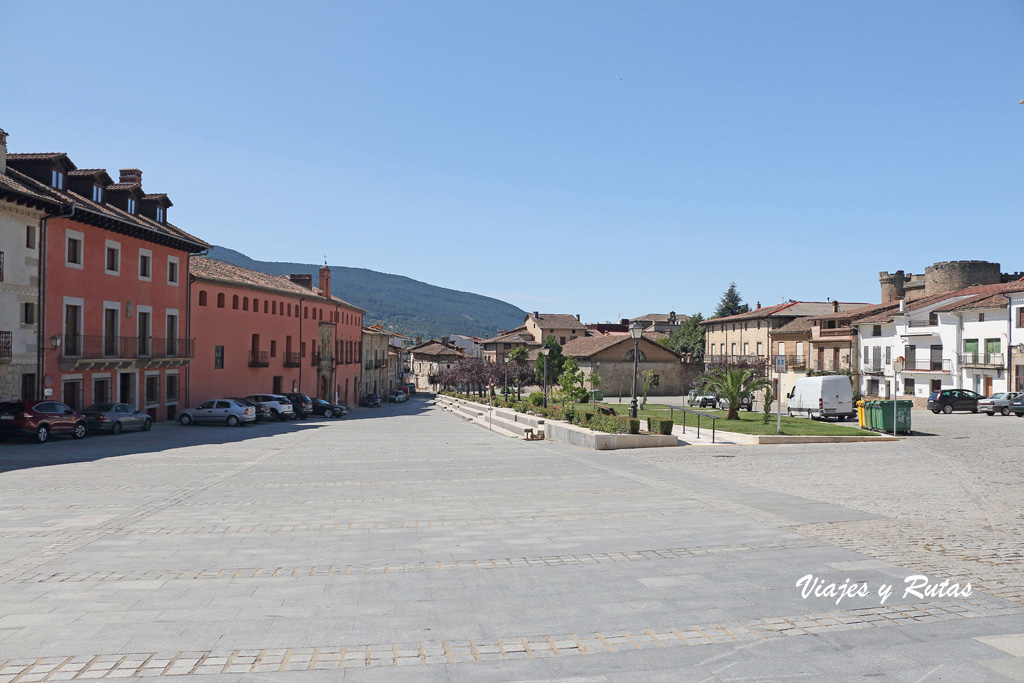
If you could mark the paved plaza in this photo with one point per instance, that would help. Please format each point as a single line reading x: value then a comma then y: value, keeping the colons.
x: 403, y: 544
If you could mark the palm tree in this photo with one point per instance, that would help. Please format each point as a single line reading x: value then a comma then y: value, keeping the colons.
x: 732, y: 384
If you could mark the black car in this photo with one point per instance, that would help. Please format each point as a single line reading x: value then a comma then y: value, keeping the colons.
x: 370, y: 401
x: 302, y: 404
x: 948, y: 400
x: 1017, y: 405
x: 263, y: 411
x: 327, y: 409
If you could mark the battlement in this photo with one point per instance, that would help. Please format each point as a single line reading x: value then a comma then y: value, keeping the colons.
x: 942, y: 276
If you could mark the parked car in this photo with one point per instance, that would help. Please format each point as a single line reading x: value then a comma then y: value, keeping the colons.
x: 1017, y: 405
x: 696, y: 399
x: 948, y: 400
x: 396, y: 396
x: 746, y: 403
x: 115, y: 417
x: 280, y: 407
x: 219, y: 410
x: 822, y: 396
x: 262, y: 409
x: 370, y: 401
x: 40, y: 419
x: 411, y: 388
x: 997, y: 403
x: 301, y: 404
x: 327, y: 409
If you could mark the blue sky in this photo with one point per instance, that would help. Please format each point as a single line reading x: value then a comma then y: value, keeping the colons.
x: 603, y: 158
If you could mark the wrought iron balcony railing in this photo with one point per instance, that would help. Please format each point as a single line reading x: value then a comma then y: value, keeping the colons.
x: 98, y: 346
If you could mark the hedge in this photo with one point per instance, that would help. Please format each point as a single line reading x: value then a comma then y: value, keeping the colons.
x: 660, y: 425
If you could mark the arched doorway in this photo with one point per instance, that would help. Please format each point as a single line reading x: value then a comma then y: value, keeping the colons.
x: 322, y: 390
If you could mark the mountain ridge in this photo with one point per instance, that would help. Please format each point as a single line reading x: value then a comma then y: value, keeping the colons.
x: 401, y: 303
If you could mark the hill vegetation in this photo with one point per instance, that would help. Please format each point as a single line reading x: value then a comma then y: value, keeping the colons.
x: 402, y: 304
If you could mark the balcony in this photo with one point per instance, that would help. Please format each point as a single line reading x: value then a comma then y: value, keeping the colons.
x: 101, y: 349
x: 981, y: 360
x: 259, y: 359
x: 926, y: 365
x: 873, y: 367
x: 832, y: 332
x: 796, y: 362
x: 6, y: 346
x: 292, y: 359
x: 745, y: 361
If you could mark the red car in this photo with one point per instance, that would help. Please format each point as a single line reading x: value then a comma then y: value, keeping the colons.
x: 40, y: 419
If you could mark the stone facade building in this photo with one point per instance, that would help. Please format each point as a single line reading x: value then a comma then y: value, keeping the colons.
x: 944, y: 276
x: 611, y: 356
x: 377, y: 377
x: 430, y: 357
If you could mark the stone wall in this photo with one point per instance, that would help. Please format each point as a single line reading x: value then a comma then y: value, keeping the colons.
x: 674, y: 378
x: 946, y: 276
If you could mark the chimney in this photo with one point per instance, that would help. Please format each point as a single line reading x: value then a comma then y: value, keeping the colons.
x: 536, y: 314
x: 3, y: 151
x: 835, y: 306
x: 418, y: 340
x: 759, y: 305
x: 304, y: 280
x: 444, y: 340
x: 325, y: 281
x: 131, y: 175
x: 577, y: 317
x: 624, y: 322
x: 903, y: 306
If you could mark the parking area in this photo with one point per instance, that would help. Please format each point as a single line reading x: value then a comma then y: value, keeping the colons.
x: 403, y: 544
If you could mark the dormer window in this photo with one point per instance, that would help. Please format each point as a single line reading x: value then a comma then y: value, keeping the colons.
x: 97, y: 194
x: 57, y: 180
x: 131, y: 206
x: 159, y: 215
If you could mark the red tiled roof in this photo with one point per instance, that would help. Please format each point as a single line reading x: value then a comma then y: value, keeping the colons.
x: 796, y: 325
x: 517, y: 336
x: 436, y: 348
x: 978, y: 292
x: 19, y: 192
x: 218, y: 271
x: 122, y: 186
x: 585, y: 347
x: 107, y: 211
x: 795, y: 309
x: 35, y: 155
x: 556, y: 321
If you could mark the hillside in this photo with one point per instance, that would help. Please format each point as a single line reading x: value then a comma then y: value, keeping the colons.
x: 405, y: 305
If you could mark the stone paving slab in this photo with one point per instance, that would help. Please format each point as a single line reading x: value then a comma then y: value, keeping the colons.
x: 403, y: 545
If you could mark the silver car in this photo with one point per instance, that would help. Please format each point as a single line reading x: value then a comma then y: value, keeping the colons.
x: 219, y: 410
x: 115, y: 417
x: 997, y: 403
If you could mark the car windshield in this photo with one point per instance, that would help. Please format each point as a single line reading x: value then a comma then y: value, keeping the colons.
x: 100, y: 408
x: 995, y: 396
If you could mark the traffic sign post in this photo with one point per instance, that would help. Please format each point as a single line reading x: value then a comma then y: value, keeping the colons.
x: 780, y: 367
x: 897, y: 368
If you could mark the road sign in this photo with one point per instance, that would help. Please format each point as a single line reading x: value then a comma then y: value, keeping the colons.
x: 780, y: 364
x: 897, y: 365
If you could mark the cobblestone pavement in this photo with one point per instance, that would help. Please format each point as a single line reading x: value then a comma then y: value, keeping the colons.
x: 403, y: 544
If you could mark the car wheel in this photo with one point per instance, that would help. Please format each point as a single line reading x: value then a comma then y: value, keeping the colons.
x: 990, y: 414
x: 936, y: 411
x: 185, y: 420
x: 147, y: 425
x: 328, y: 412
x: 947, y: 409
x: 232, y: 421
x: 974, y: 409
x: 281, y: 417
x: 1019, y: 414
x: 116, y: 429
x: 81, y: 429
x: 1004, y: 412
x: 42, y: 434
x: 301, y: 416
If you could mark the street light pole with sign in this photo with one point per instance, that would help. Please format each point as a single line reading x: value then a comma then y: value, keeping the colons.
x: 780, y: 367
x: 897, y: 368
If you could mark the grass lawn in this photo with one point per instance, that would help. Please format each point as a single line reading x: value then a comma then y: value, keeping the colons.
x: 749, y: 423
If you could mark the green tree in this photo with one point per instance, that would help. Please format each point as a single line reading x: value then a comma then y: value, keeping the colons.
x: 732, y: 384
x: 555, y: 361
x: 571, y: 381
x: 647, y: 377
x: 731, y: 303
x: 518, y: 356
x: 595, y: 380
x: 689, y: 338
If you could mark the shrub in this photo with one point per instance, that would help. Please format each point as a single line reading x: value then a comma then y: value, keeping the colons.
x: 633, y: 425
x: 536, y: 399
x: 660, y: 425
x: 520, y: 406
x: 569, y: 414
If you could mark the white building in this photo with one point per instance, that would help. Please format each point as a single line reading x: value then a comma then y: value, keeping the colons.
x: 954, y: 340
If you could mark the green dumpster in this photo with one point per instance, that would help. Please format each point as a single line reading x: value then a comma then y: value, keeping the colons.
x: 888, y: 412
x: 869, y: 414
x: 596, y: 395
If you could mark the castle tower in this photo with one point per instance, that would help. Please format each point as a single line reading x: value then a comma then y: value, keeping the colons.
x: 892, y: 286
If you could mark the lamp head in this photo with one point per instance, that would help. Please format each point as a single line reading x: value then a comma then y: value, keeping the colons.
x: 545, y: 350
x: 636, y: 330
x: 55, y: 342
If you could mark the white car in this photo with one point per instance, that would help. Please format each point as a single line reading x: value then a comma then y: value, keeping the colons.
x: 219, y: 410
x: 281, y: 407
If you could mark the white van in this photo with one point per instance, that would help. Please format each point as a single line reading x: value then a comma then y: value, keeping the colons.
x: 823, y: 396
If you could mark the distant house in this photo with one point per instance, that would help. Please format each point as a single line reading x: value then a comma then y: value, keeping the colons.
x: 563, y: 327
x: 471, y: 346
x: 496, y: 348
x: 429, y: 358
x: 377, y: 378
x: 663, y: 323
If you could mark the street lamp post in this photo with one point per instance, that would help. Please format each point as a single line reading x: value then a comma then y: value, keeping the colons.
x: 506, y: 378
x: 635, y: 331
x: 544, y: 351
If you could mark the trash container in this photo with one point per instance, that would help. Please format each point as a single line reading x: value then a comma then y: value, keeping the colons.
x: 596, y: 395
x: 872, y: 417
x: 860, y: 414
x: 894, y: 413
